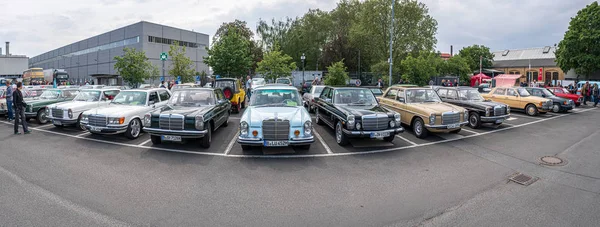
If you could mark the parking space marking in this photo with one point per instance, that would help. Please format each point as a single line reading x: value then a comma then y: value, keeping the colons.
x: 231, y: 143
x: 408, y: 141
x: 83, y: 134
x: 44, y: 126
x: 304, y: 155
x: 469, y: 131
x: 145, y: 142
x: 527, y: 116
x: 449, y: 136
x: 512, y: 118
x: 322, y: 142
x: 507, y: 124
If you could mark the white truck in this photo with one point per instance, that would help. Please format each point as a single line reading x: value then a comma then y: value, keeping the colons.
x: 60, y: 75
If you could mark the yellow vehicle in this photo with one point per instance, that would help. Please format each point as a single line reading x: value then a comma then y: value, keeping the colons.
x: 518, y: 98
x: 33, y: 76
x: 423, y: 110
x: 233, y: 90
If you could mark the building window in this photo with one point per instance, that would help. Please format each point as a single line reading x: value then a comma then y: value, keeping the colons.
x: 514, y: 72
x: 171, y: 41
x: 555, y: 75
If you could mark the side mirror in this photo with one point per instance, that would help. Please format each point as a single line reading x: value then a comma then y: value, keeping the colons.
x: 401, y: 100
x: 543, y: 96
x: 151, y: 102
x: 516, y: 95
x: 328, y: 100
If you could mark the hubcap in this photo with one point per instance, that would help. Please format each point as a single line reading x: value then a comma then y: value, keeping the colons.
x: 418, y: 128
x: 43, y: 116
x: 317, y: 118
x: 135, y: 128
x: 338, y: 133
x: 556, y: 108
x: 473, y: 120
x: 531, y: 111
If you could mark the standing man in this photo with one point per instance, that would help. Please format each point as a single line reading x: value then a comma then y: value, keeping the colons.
x: 9, y: 101
x: 456, y: 83
x: 248, y: 86
x: 380, y: 83
x: 20, y: 109
x: 585, y: 92
x: 162, y: 84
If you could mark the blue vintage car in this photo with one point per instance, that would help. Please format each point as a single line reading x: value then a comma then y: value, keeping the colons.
x: 275, y: 118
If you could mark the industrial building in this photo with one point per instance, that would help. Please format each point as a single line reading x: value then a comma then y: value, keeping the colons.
x: 12, y: 66
x: 92, y: 59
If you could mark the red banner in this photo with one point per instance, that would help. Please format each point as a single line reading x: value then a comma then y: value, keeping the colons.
x: 540, y: 77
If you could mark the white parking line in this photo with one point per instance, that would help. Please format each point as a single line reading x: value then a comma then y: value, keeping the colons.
x: 322, y: 142
x: 527, y: 116
x: 44, y: 126
x: 82, y: 134
x: 512, y: 118
x: 507, y: 124
x: 469, y: 131
x: 231, y: 143
x: 145, y: 142
x: 408, y: 141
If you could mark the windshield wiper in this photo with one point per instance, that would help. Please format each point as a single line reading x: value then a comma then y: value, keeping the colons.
x: 117, y: 103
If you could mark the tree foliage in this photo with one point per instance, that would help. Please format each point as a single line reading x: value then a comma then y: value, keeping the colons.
x: 181, y: 65
x: 419, y: 70
x: 472, y: 53
x: 230, y: 56
x: 275, y: 65
x: 455, y: 66
x: 134, y: 67
x: 580, y: 47
x: 337, y: 75
x: 240, y: 27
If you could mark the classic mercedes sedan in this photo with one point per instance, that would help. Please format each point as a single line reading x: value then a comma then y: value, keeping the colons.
x: 69, y: 113
x: 518, y: 98
x: 423, y: 110
x: 192, y: 113
x: 480, y: 110
x: 354, y: 112
x: 36, y: 108
x: 275, y: 118
x: 125, y: 113
x: 558, y: 104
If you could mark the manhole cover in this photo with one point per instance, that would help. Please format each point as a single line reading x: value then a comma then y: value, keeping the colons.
x: 522, y: 179
x: 552, y: 161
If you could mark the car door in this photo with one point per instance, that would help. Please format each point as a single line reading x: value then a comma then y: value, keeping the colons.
x: 513, y: 98
x: 153, y: 100
x: 320, y: 100
x: 220, y: 107
x: 499, y: 95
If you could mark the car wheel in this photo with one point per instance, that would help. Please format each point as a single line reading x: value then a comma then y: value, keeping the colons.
x: 474, y: 120
x: 456, y: 131
x: 318, y: 118
x: 79, y: 125
x: 389, y: 138
x: 555, y: 108
x: 340, y: 138
x: 208, y: 137
x: 41, y: 117
x: 155, y: 139
x: 531, y: 110
x: 419, y: 128
x: 134, y: 129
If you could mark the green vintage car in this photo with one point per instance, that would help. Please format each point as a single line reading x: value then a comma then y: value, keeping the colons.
x: 36, y: 108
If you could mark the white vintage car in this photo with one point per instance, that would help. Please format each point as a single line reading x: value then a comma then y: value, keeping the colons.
x: 70, y: 113
x: 275, y: 118
x: 125, y: 113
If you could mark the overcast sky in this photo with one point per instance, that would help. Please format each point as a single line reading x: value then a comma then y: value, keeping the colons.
x: 36, y: 26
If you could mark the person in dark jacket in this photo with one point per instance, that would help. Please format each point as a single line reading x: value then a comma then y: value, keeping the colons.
x: 20, y: 106
x: 9, y: 101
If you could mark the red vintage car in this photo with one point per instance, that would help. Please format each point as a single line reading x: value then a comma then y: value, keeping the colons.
x: 564, y: 93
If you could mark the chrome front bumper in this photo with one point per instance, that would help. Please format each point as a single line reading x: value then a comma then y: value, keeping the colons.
x: 183, y: 133
x: 260, y: 142
x: 444, y: 126
x: 107, y: 129
x: 62, y: 120
x: 368, y: 133
x: 492, y: 119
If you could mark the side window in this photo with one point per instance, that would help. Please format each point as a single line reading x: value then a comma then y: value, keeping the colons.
x: 219, y: 94
x: 153, y: 97
x: 324, y: 93
x: 391, y: 94
x: 451, y: 94
x: 510, y: 92
x: 401, y: 97
x: 499, y: 91
x: 110, y: 95
x: 164, y: 95
x: 442, y: 93
x: 537, y: 92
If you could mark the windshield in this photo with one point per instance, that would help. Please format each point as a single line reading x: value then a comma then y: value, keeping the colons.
x: 258, y: 81
x: 192, y: 98
x: 523, y: 92
x: 275, y: 97
x: 88, y: 96
x: 377, y: 91
x: 32, y: 93
x: 362, y: 97
x: 421, y: 95
x: 283, y: 81
x: 469, y: 95
x: 224, y: 84
x: 317, y: 90
x: 564, y: 90
x: 547, y: 92
x: 50, y: 94
x: 133, y: 98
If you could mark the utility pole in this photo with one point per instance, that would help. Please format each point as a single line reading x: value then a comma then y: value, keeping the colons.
x: 359, y: 74
x: 303, y: 57
x: 391, y: 40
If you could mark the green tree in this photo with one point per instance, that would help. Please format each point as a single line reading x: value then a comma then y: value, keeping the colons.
x: 419, y: 70
x: 181, y: 65
x: 134, y: 67
x: 456, y: 66
x: 580, y: 47
x: 242, y: 29
x: 230, y: 55
x: 472, y: 53
x: 275, y: 65
x: 337, y: 75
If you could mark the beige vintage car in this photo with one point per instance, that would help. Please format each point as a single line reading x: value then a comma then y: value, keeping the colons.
x: 518, y: 98
x: 423, y: 110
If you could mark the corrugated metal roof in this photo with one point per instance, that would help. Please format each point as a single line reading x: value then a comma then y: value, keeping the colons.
x: 525, y: 63
x: 525, y: 54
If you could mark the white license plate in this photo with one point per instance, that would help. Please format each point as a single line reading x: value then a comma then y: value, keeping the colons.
x: 171, y: 138
x: 55, y: 122
x: 379, y: 134
x: 499, y: 121
x: 95, y: 129
x: 276, y: 143
x: 452, y: 126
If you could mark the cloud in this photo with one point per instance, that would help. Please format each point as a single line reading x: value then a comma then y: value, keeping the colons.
x: 34, y: 26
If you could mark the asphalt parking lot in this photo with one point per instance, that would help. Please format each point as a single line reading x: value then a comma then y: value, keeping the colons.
x: 66, y: 177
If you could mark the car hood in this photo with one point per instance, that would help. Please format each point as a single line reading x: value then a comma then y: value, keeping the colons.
x: 255, y: 115
x: 76, y: 105
x: 359, y: 111
x: 117, y: 110
x: 484, y: 104
x: 557, y: 99
x: 570, y: 96
x: 41, y: 102
x: 438, y: 107
x: 185, y: 111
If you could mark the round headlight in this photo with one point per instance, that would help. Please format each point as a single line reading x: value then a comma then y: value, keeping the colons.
x: 244, y: 128
x: 351, y: 119
x: 199, y: 122
x: 432, y: 119
x: 48, y: 113
x: 466, y: 115
x: 307, y: 128
x: 392, y: 124
x: 70, y: 113
x: 84, y: 118
x: 358, y: 126
x: 397, y: 117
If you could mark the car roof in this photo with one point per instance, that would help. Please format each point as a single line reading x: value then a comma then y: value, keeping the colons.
x: 148, y: 89
x: 100, y: 89
x: 225, y: 79
x: 197, y: 88
x: 276, y: 86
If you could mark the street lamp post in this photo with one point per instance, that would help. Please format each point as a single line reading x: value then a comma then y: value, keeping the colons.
x: 391, y: 40
x: 303, y: 57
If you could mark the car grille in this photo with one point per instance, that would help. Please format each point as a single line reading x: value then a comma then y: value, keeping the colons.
x: 450, y: 118
x: 548, y: 103
x: 57, y: 113
x: 375, y: 122
x: 276, y: 129
x: 171, y: 122
x: 499, y: 110
x: 96, y: 120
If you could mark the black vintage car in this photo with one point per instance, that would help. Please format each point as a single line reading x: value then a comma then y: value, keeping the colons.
x: 480, y: 110
x: 191, y: 113
x: 354, y: 112
x: 558, y: 104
